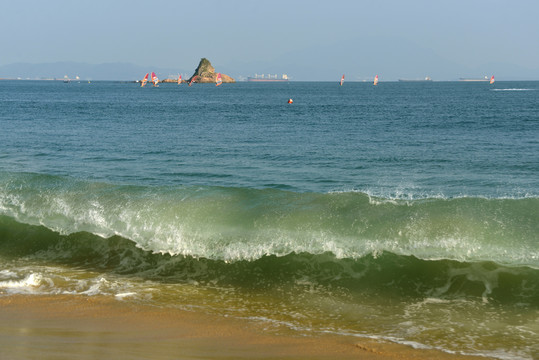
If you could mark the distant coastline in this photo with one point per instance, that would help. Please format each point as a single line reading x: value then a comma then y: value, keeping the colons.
x: 129, y: 71
x: 244, y: 80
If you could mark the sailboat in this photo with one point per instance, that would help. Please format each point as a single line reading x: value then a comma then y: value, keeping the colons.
x: 342, y: 79
x: 145, y: 80
x: 375, y: 80
x: 218, y: 80
x: 492, y: 79
x: 192, y: 79
x: 179, y: 79
x: 155, y: 80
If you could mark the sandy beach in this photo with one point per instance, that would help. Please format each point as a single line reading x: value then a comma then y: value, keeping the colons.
x: 74, y: 327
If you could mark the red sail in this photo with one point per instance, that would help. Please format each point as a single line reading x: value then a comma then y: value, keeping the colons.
x: 145, y: 80
x: 155, y: 80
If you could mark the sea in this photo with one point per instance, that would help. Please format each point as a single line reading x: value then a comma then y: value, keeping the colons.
x: 403, y: 212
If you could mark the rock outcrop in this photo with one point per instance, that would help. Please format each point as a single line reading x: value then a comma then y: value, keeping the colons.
x: 205, y: 73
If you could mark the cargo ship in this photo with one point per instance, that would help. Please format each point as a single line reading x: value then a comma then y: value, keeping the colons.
x: 268, y: 78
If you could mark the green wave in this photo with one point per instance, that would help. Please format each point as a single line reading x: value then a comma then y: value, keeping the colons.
x: 387, y: 274
x: 235, y: 224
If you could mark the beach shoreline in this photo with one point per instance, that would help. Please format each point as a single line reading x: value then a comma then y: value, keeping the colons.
x: 76, y: 327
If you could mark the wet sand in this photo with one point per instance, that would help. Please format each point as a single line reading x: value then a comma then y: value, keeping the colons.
x: 81, y: 328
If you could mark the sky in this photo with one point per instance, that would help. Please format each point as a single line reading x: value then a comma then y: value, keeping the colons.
x: 318, y: 40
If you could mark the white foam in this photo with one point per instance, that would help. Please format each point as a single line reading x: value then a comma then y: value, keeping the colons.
x: 513, y: 89
x: 121, y: 296
x: 96, y: 288
x: 27, y: 284
x: 7, y: 274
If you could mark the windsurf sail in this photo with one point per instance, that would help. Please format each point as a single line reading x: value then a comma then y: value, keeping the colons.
x: 192, y: 80
x: 342, y: 79
x: 218, y: 80
x: 145, y: 80
x: 376, y: 80
x: 492, y: 79
x: 155, y: 80
x: 179, y: 79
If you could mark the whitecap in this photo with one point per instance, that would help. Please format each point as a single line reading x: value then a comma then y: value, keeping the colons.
x: 514, y: 89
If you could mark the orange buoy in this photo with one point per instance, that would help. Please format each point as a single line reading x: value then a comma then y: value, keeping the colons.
x: 290, y: 101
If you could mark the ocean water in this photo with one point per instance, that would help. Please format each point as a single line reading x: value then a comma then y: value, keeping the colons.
x: 405, y: 212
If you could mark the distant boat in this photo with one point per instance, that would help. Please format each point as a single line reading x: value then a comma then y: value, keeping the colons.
x: 155, y: 80
x: 192, y: 79
x: 492, y: 79
x: 145, y: 80
x: 268, y: 78
x: 375, y: 80
x: 218, y: 80
x: 342, y: 79
x: 179, y: 79
x: 426, y: 79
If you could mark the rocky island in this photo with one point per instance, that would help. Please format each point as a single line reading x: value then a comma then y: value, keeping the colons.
x: 205, y: 73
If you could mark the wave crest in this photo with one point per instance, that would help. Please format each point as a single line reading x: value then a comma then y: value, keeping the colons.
x: 234, y: 224
x: 400, y: 275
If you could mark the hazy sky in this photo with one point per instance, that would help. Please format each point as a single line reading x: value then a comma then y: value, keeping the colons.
x: 326, y: 37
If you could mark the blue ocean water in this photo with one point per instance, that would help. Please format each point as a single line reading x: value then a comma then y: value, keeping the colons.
x: 407, y: 212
